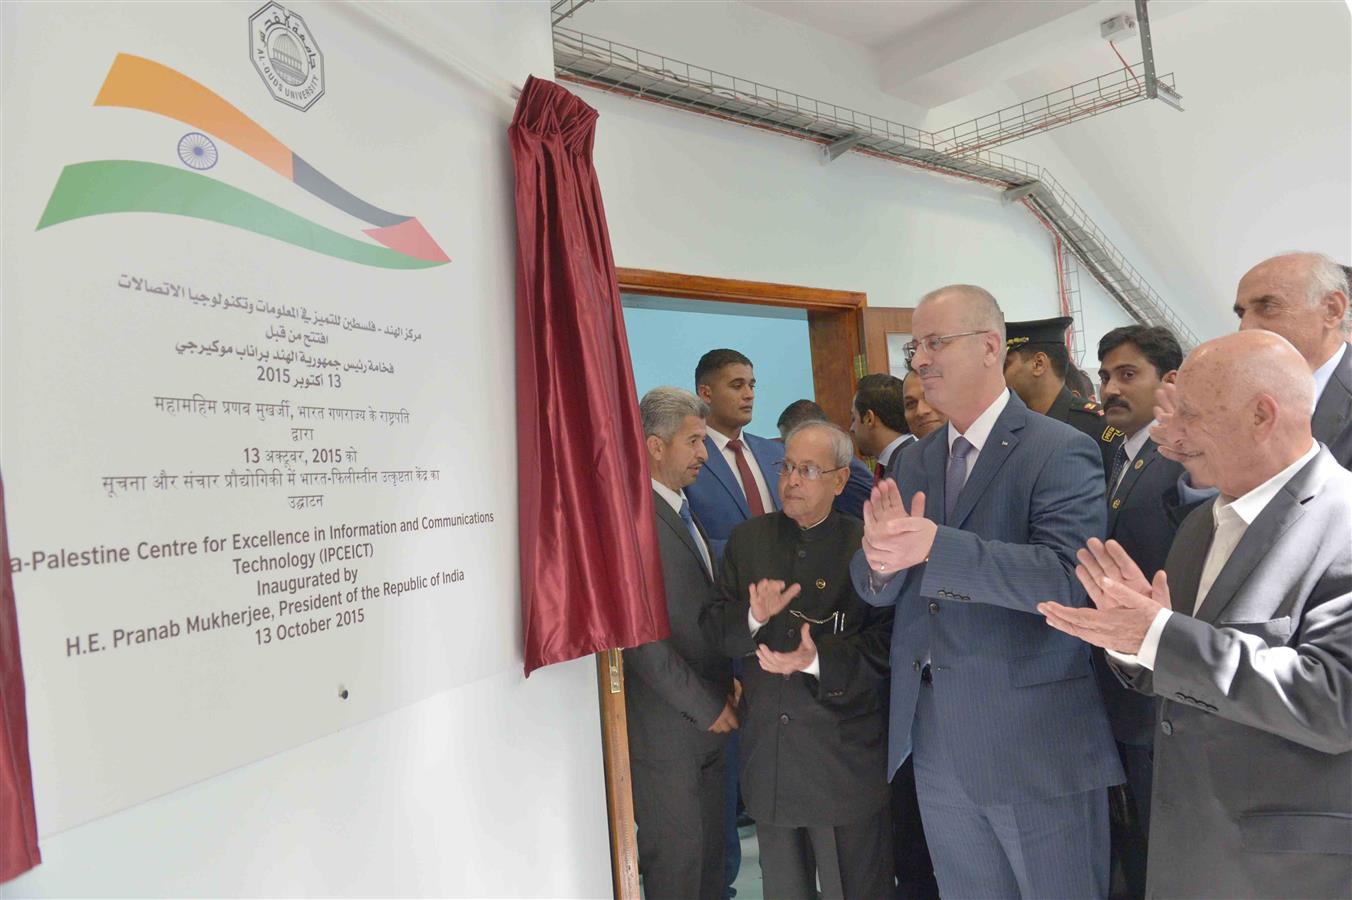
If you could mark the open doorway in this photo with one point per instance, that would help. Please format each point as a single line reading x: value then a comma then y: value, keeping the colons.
x: 804, y: 343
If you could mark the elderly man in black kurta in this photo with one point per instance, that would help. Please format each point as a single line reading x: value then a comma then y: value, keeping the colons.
x: 814, y: 722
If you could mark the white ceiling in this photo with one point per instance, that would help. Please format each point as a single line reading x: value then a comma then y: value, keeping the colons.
x: 1260, y: 162
x: 869, y: 23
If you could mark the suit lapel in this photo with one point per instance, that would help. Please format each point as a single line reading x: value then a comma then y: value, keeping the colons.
x: 674, y: 522
x: 719, y: 468
x: 1334, y: 409
x: 1135, y: 470
x: 1186, y: 575
x: 1281, y: 513
x: 999, y: 444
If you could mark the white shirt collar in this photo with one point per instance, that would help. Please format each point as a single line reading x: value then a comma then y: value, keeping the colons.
x: 1251, y: 504
x: 1137, y: 440
x: 674, y: 498
x: 886, y: 455
x: 1324, y: 373
x: 980, y: 430
x: 721, y: 439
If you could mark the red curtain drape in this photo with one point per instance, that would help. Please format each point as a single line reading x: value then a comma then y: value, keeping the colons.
x: 591, y: 577
x: 18, y: 823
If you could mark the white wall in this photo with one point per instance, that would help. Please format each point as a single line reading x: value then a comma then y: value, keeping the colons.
x: 491, y: 789
x: 686, y: 193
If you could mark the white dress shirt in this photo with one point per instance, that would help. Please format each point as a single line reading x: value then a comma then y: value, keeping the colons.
x: 1324, y: 373
x: 721, y: 442
x: 1133, y: 445
x: 1230, y: 520
x: 675, y: 499
x: 813, y: 668
x: 978, y: 431
x: 895, y: 447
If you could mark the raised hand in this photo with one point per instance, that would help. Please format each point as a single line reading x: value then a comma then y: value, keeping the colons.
x: 895, y: 539
x: 1100, y: 562
x: 1122, y: 625
x: 792, y: 661
x: 1165, y: 432
x: 768, y: 597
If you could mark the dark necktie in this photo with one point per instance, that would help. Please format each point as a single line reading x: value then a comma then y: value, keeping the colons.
x: 753, y: 497
x: 956, y: 475
x: 878, y: 472
x: 1119, y: 463
x: 689, y: 521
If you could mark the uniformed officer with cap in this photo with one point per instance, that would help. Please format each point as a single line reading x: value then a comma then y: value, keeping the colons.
x: 1035, y: 369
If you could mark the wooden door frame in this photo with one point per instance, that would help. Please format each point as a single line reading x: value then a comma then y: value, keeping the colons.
x: 833, y: 317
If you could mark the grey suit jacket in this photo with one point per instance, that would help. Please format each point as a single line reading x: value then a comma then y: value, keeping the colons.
x: 893, y: 468
x: 1253, y: 754
x: 1332, y: 423
x: 676, y: 687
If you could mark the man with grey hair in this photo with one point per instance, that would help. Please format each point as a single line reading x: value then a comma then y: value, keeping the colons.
x: 680, y: 692
x: 851, y: 499
x: 1011, y: 744
x: 1245, y: 636
x: 1304, y: 298
x: 815, y: 670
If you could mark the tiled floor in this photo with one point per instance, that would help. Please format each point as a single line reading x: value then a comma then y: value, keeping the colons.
x: 748, y: 883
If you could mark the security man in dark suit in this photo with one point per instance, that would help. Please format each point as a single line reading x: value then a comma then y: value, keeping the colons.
x: 680, y: 692
x: 1134, y: 361
x: 1035, y: 369
x: 814, y: 713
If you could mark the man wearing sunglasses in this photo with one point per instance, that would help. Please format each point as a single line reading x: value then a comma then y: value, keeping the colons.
x: 1011, y: 745
x: 814, y: 699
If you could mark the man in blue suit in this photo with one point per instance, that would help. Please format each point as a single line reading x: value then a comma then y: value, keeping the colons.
x: 1011, y: 745
x: 739, y: 481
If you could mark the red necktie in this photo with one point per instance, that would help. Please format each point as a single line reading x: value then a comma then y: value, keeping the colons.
x: 753, y: 497
x: 877, y: 472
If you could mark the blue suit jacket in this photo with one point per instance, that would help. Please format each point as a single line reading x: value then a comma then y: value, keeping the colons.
x: 716, y: 497
x: 1018, y: 708
x: 857, y: 490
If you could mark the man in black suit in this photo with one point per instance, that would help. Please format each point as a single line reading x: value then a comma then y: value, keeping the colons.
x: 1133, y: 362
x: 814, y: 724
x: 679, y: 690
x: 1036, y: 363
x: 878, y: 422
x: 1304, y: 298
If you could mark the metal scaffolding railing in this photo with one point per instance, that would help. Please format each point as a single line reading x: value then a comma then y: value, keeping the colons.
x: 958, y: 151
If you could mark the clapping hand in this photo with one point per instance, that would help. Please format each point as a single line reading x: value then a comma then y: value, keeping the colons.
x: 1165, y: 431
x: 793, y: 661
x: 1126, y: 604
x: 768, y: 597
x: 894, y: 538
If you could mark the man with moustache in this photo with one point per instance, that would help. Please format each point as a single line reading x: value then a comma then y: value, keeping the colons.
x: 1304, y: 298
x: 1134, y: 361
x: 815, y: 675
x: 739, y: 480
x: 1036, y: 367
x: 921, y: 418
x: 1011, y: 745
x: 878, y: 422
x: 1244, y: 637
x: 679, y: 692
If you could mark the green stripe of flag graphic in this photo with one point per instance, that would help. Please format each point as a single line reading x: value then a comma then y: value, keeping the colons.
x: 119, y: 186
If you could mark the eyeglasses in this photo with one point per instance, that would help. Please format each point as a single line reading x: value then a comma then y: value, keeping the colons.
x: 809, y: 471
x: 934, y: 343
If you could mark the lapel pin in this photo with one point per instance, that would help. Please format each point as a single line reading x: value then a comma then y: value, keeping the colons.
x: 1004, y: 443
x: 1117, y: 503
